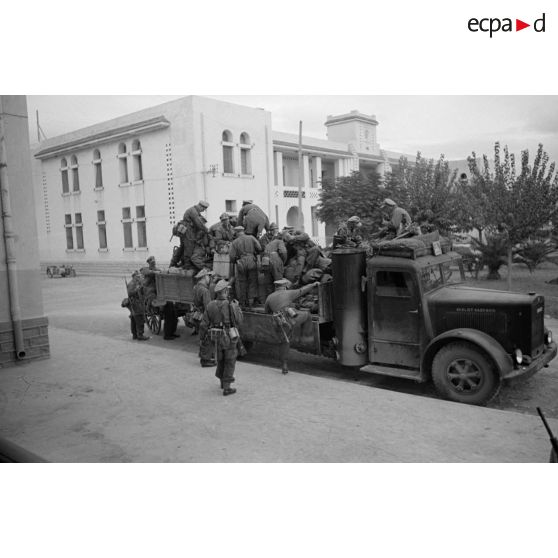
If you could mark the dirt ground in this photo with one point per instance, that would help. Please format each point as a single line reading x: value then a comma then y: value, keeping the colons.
x: 92, y: 305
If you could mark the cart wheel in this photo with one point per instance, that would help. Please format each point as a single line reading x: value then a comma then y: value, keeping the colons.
x: 152, y: 317
x: 49, y: 273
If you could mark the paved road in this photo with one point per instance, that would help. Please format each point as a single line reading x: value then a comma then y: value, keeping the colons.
x: 92, y: 305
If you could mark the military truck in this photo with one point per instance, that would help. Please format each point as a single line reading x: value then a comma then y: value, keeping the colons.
x: 403, y: 314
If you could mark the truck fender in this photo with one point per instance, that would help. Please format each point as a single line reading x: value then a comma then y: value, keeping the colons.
x: 485, y: 342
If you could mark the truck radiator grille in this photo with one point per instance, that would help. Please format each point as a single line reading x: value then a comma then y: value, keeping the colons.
x: 483, y: 321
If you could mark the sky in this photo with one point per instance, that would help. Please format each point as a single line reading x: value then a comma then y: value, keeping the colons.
x: 453, y: 125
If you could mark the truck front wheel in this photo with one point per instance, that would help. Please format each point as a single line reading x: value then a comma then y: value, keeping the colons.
x: 462, y: 373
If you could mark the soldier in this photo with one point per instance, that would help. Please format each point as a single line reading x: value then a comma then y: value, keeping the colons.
x: 148, y: 273
x: 399, y: 220
x: 194, y: 224
x: 223, y: 234
x: 280, y: 304
x: 253, y: 219
x: 269, y: 235
x: 273, y: 262
x: 136, y: 306
x: 220, y: 321
x: 348, y: 234
x: 244, y: 249
x: 200, y: 257
x: 177, y: 258
x: 202, y: 298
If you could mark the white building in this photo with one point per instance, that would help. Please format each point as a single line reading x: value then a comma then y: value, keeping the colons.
x: 111, y: 192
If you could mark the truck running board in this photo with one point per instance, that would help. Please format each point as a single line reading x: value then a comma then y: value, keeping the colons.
x: 392, y: 371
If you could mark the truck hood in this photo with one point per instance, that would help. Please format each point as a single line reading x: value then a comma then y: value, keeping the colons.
x: 460, y: 294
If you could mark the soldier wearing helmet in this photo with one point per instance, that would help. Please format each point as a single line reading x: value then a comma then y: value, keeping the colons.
x: 269, y: 235
x: 222, y: 234
x: 348, y: 234
x: 220, y: 321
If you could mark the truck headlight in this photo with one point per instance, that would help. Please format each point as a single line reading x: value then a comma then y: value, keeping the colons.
x: 548, y: 337
x: 518, y: 356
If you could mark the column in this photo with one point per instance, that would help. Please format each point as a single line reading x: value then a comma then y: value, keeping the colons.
x: 338, y: 168
x: 317, y: 168
x: 305, y: 171
x: 279, y: 168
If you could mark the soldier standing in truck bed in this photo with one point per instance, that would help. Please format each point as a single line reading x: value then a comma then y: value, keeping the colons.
x: 218, y: 318
x: 194, y: 225
x: 348, y: 234
x: 273, y: 262
x: 281, y: 304
x: 253, y: 219
x: 399, y: 220
x: 269, y: 235
x: 222, y: 233
x: 244, y: 249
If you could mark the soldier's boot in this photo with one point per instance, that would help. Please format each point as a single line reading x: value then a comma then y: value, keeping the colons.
x: 228, y: 391
x: 141, y: 336
x: 207, y: 363
x: 285, y: 368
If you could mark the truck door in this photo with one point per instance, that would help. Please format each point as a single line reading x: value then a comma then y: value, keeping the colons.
x: 394, y: 314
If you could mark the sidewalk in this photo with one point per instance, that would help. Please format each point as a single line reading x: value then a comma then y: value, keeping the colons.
x: 110, y: 400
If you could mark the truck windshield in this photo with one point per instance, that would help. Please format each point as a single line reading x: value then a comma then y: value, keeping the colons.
x: 449, y: 272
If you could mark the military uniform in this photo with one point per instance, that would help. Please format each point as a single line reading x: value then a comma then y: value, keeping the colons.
x: 201, y: 252
x: 201, y: 300
x: 347, y: 235
x: 194, y: 223
x: 149, y: 283
x: 223, y: 235
x: 280, y: 304
x: 400, y: 220
x: 253, y: 219
x: 243, y: 252
x: 136, y: 307
x: 216, y: 322
x: 273, y: 263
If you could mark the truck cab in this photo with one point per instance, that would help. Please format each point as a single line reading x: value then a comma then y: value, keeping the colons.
x: 423, y: 323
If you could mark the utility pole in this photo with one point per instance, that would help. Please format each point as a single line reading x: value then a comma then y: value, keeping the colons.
x: 39, y: 129
x: 300, y: 177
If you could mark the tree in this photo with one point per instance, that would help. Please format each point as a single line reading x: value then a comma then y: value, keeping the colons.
x: 430, y: 191
x: 352, y: 195
x: 515, y: 206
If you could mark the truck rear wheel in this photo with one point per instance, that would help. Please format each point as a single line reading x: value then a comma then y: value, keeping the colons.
x: 462, y: 373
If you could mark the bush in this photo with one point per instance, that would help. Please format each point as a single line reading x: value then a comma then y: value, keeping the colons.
x: 532, y: 253
x: 494, y: 253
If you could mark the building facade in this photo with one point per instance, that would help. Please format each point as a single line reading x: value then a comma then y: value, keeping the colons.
x: 110, y: 193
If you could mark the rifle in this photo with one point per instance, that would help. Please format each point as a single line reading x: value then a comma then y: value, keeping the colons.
x: 553, y: 440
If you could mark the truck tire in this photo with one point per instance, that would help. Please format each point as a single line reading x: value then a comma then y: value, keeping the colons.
x: 462, y: 373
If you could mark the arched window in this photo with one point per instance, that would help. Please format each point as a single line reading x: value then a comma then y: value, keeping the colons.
x: 75, y: 173
x: 123, y: 163
x: 228, y: 152
x: 97, y: 169
x: 137, y: 165
x: 64, y: 173
x: 245, y: 154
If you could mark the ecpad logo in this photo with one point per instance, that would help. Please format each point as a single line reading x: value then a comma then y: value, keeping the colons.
x: 494, y: 24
